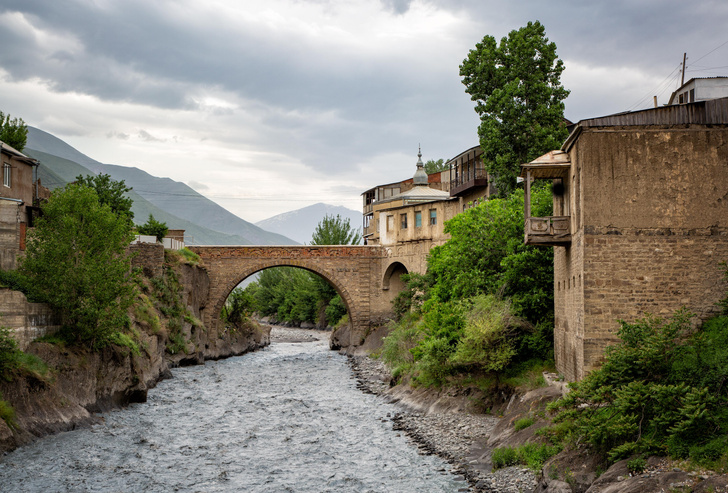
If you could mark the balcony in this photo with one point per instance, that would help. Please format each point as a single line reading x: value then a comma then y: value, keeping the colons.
x: 468, y: 180
x: 551, y: 230
x: 548, y: 231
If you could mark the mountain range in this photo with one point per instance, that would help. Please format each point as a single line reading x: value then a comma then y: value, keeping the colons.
x: 172, y: 202
x: 301, y: 223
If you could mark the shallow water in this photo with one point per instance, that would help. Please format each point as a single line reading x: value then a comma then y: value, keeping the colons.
x: 284, y: 419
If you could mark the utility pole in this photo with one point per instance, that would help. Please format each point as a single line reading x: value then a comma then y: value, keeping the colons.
x: 682, y: 82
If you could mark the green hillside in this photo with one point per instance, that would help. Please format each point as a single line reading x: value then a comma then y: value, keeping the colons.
x: 173, y: 202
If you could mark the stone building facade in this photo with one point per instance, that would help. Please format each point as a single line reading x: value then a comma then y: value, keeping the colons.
x: 640, y: 223
x: 407, y: 218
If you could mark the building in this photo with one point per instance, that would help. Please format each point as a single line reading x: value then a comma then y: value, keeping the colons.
x: 407, y: 217
x: 640, y: 223
x: 700, y: 89
x: 18, y: 204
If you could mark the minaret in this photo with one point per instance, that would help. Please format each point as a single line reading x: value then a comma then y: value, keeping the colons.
x: 420, y: 177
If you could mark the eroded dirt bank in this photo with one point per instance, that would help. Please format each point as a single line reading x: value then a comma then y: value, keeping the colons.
x: 81, y: 382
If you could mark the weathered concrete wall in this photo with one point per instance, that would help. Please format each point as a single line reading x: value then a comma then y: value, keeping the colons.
x: 649, y: 212
x: 354, y: 271
x: 28, y: 320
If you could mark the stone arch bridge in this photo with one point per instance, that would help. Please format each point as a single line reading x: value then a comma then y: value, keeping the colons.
x: 356, y: 272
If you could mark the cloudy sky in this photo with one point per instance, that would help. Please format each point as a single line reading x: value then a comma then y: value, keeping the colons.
x: 267, y: 106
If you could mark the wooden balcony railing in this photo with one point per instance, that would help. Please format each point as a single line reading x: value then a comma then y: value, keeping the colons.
x: 548, y: 231
x: 476, y: 177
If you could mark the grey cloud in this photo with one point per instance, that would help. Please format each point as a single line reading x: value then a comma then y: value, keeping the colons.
x: 146, y: 136
x: 117, y: 135
x: 135, y: 53
x: 397, y: 6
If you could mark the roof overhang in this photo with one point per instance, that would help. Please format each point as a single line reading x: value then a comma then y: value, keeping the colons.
x: 553, y: 164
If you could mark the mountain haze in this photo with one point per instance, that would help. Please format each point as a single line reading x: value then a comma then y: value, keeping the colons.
x: 301, y: 223
x: 169, y: 201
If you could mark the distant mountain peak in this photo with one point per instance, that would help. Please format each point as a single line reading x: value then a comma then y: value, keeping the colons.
x: 300, y: 224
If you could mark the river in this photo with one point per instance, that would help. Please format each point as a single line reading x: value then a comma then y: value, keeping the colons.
x: 287, y: 418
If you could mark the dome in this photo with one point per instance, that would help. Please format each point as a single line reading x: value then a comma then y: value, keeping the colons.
x: 420, y: 177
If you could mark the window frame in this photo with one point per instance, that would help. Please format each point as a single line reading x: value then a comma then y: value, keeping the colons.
x: 7, y: 175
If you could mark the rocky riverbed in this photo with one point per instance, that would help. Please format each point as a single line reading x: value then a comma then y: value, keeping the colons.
x: 458, y: 437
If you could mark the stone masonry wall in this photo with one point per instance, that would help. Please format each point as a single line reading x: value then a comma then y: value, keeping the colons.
x: 649, y: 215
x: 148, y: 256
x: 569, y: 308
x: 28, y: 320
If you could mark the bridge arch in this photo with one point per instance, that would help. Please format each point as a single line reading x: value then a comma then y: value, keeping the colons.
x: 352, y: 270
x: 247, y: 272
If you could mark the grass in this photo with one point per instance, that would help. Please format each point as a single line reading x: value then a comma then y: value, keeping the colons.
x: 523, y: 423
x: 7, y: 414
x: 531, y: 455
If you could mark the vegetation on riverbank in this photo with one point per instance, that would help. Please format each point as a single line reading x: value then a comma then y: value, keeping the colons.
x: 483, y: 313
x: 662, y: 390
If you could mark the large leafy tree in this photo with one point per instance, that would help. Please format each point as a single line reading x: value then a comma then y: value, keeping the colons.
x: 519, y: 97
x: 110, y: 192
x: 335, y: 230
x: 77, y: 261
x: 432, y: 166
x: 13, y: 131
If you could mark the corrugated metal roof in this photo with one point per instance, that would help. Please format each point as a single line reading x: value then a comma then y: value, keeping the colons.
x: 711, y: 112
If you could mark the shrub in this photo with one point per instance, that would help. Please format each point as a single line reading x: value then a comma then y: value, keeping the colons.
x: 9, y: 353
x: 660, y: 390
x: 7, y: 413
x: 488, y: 339
x: 531, y: 455
x: 523, y: 423
x: 335, y: 310
x: 636, y: 465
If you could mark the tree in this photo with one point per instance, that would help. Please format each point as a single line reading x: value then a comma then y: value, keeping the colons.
x: 153, y: 228
x: 518, y: 95
x: 432, y: 166
x: 110, y: 192
x: 76, y: 260
x: 13, y: 131
x: 335, y: 231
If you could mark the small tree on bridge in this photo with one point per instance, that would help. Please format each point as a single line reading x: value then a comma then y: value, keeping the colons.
x: 335, y: 230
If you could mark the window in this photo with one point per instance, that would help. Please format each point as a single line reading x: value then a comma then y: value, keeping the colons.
x: 433, y: 217
x: 403, y: 220
x: 390, y: 223
x: 418, y: 219
x: 6, y: 175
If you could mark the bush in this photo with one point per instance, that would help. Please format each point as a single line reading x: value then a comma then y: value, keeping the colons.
x: 7, y: 413
x: 488, y: 342
x: 523, y: 423
x: 9, y: 353
x: 661, y: 390
x: 531, y: 455
x: 335, y: 310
